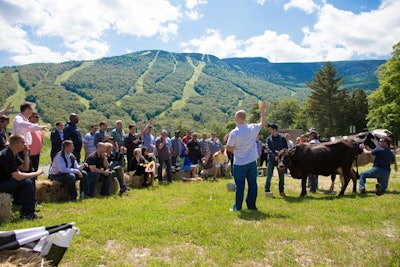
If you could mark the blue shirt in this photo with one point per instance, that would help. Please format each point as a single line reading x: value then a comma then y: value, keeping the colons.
x: 383, y: 157
x: 148, y: 140
x: 243, y: 140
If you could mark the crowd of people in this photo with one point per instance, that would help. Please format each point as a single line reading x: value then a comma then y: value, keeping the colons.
x: 109, y: 152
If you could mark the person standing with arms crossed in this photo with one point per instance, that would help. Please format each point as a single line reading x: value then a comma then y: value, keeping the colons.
x: 242, y: 142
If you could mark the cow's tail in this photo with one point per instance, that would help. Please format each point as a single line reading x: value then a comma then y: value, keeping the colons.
x: 357, y: 173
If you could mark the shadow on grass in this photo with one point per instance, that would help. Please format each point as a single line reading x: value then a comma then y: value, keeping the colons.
x: 316, y: 196
x: 256, y: 215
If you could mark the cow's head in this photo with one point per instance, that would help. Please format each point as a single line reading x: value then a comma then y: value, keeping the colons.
x: 284, y: 160
x: 367, y: 138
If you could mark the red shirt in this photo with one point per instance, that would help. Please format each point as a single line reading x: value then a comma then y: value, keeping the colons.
x: 37, y: 142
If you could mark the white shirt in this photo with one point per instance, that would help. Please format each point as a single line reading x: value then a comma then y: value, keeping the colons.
x: 289, y: 144
x: 243, y: 140
x: 22, y: 126
x: 58, y: 165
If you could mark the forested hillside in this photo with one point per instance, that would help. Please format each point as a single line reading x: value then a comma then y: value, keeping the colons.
x: 177, y: 90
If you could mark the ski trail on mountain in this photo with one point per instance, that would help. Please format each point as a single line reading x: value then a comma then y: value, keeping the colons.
x: 175, y: 63
x: 140, y: 81
x: 67, y: 74
x: 18, y: 97
x: 188, y: 90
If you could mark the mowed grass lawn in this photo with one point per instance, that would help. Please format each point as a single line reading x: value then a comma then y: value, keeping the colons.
x: 189, y: 224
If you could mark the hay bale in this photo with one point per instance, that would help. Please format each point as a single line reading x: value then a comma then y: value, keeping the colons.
x: 5, y: 207
x: 51, y: 191
x: 22, y: 257
x: 114, y: 187
x: 185, y: 174
x: 134, y: 181
x: 177, y: 176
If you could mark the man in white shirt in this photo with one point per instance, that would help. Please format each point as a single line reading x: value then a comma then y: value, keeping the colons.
x: 65, y: 169
x: 242, y: 142
x: 22, y: 126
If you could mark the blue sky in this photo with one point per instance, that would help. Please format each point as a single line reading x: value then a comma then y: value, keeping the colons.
x: 34, y: 31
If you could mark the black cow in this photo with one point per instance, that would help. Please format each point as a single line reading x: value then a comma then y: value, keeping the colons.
x: 321, y: 159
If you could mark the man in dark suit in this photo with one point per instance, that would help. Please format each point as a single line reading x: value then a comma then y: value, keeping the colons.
x: 71, y: 132
x: 56, y: 137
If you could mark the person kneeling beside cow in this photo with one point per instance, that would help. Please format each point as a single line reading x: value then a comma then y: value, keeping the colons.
x: 381, y: 168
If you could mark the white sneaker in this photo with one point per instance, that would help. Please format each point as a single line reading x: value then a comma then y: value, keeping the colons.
x: 269, y: 194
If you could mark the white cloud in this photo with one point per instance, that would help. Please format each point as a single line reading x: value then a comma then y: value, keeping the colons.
x: 341, y: 34
x: 85, y: 49
x: 307, y: 6
x: 277, y: 48
x: 81, y: 25
x: 190, y: 4
x: 142, y: 19
x: 193, y: 15
x: 38, y: 54
x: 261, y: 2
x: 169, y: 30
x: 213, y: 43
x: 337, y: 35
x: 78, y: 30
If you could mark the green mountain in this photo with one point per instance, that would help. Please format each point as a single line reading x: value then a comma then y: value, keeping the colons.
x: 178, y: 90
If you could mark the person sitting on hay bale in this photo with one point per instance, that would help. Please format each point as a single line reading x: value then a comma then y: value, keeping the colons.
x: 221, y: 162
x: 65, y: 169
x: 140, y: 165
x: 15, y: 182
x: 115, y: 157
x: 208, y: 166
x: 99, y: 169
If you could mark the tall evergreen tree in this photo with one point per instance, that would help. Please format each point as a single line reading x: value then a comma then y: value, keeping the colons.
x: 357, y: 110
x: 326, y: 101
x: 384, y: 103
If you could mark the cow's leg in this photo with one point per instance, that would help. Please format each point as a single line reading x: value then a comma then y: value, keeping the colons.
x: 333, y: 178
x: 342, y: 179
x: 346, y: 182
x: 303, y: 186
x: 354, y: 178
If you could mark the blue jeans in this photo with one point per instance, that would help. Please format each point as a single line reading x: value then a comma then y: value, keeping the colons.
x: 22, y: 192
x: 313, y: 182
x: 69, y: 179
x: 241, y: 173
x: 270, y: 170
x: 382, y: 176
x: 94, y: 179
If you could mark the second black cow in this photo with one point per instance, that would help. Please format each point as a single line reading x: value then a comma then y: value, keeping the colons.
x: 322, y: 159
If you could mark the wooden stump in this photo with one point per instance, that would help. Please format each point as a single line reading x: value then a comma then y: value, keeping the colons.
x: 5, y: 207
x: 51, y: 191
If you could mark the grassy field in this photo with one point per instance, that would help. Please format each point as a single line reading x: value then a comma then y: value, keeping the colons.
x: 189, y: 224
